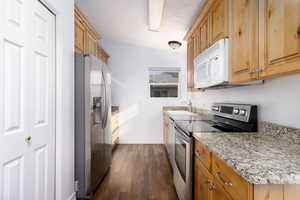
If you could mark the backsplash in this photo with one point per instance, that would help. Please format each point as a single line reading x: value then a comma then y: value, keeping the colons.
x: 277, y: 99
x: 291, y: 135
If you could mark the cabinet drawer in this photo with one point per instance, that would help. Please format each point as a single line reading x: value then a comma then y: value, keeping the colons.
x: 233, y: 183
x: 203, y: 154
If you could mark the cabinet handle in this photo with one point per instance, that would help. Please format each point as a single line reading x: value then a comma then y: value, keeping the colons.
x: 207, y: 181
x: 228, y: 183
x: 256, y: 71
x: 298, y: 32
x: 212, y: 188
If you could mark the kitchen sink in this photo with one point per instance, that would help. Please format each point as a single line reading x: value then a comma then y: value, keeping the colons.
x: 181, y: 112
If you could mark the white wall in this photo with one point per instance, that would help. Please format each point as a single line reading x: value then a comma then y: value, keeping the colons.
x: 65, y: 98
x: 278, y: 99
x: 141, y: 117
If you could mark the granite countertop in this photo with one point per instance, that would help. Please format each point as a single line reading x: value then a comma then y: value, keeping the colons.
x: 268, y: 157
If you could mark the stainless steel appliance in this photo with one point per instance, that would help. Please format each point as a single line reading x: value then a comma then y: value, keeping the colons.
x: 93, y: 149
x: 227, y: 118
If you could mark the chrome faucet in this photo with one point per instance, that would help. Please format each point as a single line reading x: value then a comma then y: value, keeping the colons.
x: 190, y: 104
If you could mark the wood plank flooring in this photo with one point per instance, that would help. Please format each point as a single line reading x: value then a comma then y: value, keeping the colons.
x: 138, y: 172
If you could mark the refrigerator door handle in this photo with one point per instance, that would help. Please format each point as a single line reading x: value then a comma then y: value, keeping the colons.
x: 106, y: 105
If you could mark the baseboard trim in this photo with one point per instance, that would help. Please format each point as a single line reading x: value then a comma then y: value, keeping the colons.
x: 140, y: 141
x: 73, y: 196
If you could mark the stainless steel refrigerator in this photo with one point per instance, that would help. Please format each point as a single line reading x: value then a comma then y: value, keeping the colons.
x: 93, y: 149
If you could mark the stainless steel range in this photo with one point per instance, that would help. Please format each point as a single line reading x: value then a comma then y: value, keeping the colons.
x: 227, y: 118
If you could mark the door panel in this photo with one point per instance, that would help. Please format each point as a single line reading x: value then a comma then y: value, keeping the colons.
x: 244, y: 46
x: 280, y: 37
x: 14, y: 55
x: 43, y: 102
x: 41, y: 171
x: 27, y: 101
x: 13, y: 178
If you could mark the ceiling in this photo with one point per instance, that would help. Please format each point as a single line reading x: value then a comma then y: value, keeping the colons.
x: 127, y: 20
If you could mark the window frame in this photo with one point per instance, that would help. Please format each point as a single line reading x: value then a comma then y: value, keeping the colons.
x: 166, y: 69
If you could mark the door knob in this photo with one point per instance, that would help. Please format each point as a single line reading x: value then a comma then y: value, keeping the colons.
x: 28, y: 139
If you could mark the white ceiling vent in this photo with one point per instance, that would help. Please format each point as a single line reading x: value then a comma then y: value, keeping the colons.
x: 155, y: 13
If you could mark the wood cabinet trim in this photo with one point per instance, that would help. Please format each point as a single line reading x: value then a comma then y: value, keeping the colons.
x: 80, y: 16
x: 203, y: 12
x: 90, y: 37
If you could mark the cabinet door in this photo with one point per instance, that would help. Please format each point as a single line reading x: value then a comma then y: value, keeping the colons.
x: 244, y: 46
x: 196, y: 38
x: 204, y: 34
x: 203, y: 180
x: 219, y: 193
x: 219, y: 20
x: 190, y: 64
x: 279, y: 37
x: 79, y: 36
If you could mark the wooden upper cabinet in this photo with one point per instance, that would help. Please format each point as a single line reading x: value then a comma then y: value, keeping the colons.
x: 86, y: 37
x: 279, y: 37
x: 244, y: 40
x: 90, y: 44
x: 219, y: 20
x: 79, y: 36
x: 190, y: 63
x: 197, y: 42
x: 204, y: 34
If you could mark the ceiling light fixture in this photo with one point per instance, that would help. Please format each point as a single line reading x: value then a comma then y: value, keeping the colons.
x: 174, y: 44
x: 155, y: 13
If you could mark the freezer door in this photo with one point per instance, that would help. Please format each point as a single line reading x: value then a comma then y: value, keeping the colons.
x: 96, y: 108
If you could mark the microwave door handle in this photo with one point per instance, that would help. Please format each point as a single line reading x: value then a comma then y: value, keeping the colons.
x: 208, y: 66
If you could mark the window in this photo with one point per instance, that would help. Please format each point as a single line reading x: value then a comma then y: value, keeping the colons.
x: 164, y: 82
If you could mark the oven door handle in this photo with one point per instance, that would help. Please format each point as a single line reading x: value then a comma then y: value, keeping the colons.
x: 182, y: 133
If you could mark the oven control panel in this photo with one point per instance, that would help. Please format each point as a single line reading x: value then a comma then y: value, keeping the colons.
x: 239, y: 112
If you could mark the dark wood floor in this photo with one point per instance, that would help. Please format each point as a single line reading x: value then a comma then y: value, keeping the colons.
x: 138, y: 172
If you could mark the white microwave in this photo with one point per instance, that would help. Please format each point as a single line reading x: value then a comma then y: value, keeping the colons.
x: 211, y: 67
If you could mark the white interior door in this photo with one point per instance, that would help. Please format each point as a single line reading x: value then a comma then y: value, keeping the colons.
x: 27, y: 101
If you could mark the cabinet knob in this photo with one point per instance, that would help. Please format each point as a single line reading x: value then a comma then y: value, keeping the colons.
x: 228, y: 183
x: 212, y: 188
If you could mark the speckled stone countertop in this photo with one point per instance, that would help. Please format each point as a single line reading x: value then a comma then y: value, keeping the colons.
x: 271, y: 156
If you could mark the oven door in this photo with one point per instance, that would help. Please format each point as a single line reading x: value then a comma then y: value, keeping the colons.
x: 183, y: 165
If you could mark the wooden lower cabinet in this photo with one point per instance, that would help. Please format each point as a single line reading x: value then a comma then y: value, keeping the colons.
x: 206, y: 187
x: 218, y: 193
x: 221, y: 182
x: 203, y: 182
